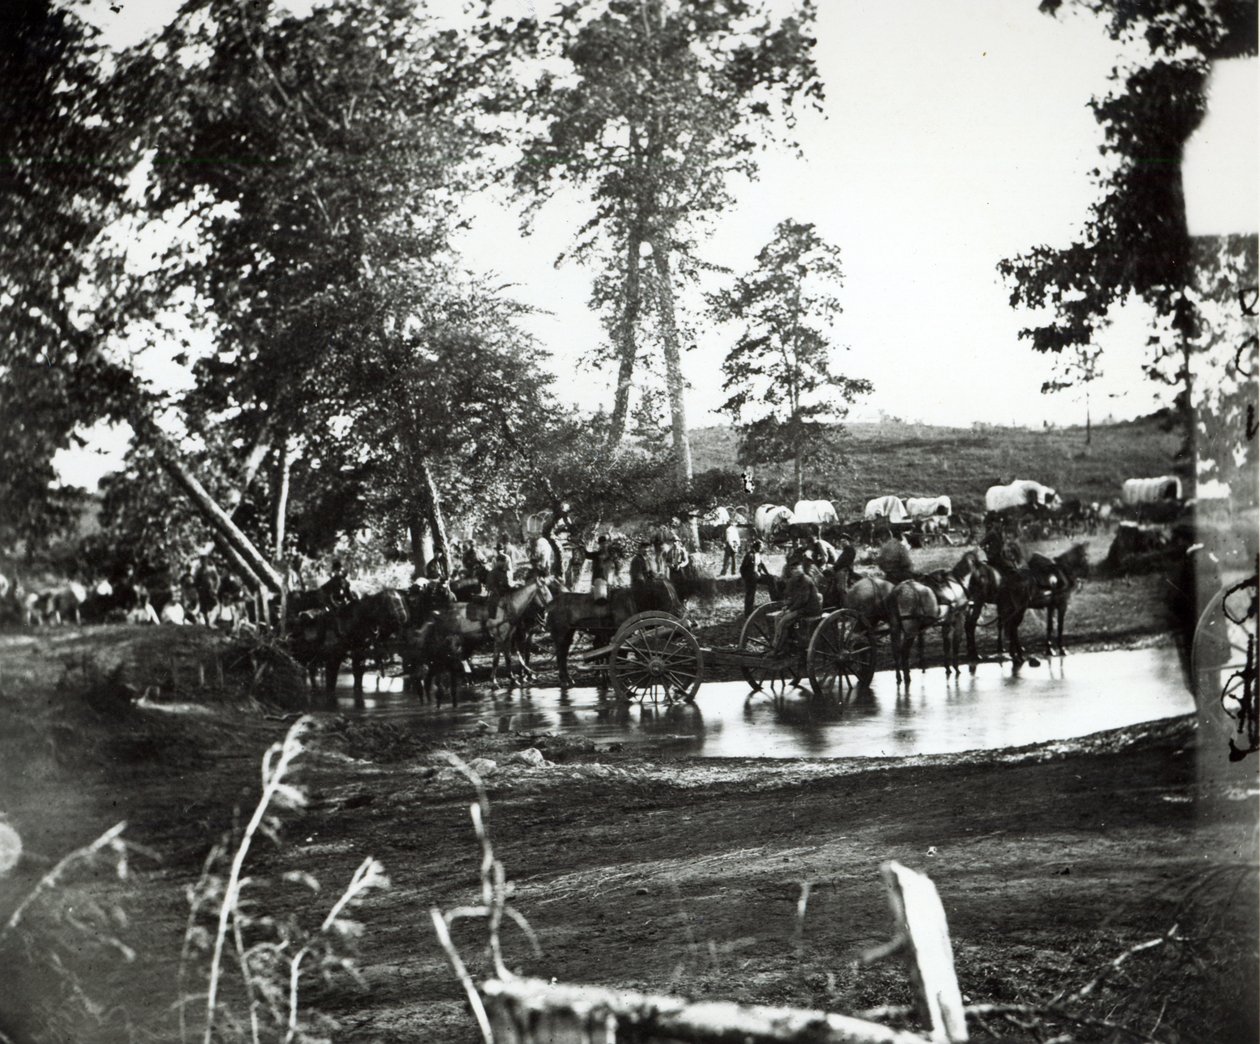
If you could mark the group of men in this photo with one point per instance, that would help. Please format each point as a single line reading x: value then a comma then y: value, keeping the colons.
x: 800, y: 591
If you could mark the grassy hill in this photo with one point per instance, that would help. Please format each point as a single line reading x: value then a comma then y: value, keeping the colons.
x: 922, y: 460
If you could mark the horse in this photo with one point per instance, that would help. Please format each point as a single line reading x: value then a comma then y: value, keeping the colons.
x: 923, y: 602
x: 1042, y: 583
x: 573, y: 611
x: 982, y: 582
x: 427, y: 651
x: 497, y: 620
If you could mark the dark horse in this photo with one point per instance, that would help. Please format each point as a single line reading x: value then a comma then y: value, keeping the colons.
x: 982, y: 581
x: 1039, y: 583
x: 572, y: 612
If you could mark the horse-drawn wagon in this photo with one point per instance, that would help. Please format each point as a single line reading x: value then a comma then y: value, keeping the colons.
x: 653, y: 655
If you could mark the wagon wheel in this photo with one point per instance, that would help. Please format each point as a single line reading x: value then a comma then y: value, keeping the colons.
x: 1222, y: 655
x: 654, y: 655
x: 757, y: 639
x: 841, y: 655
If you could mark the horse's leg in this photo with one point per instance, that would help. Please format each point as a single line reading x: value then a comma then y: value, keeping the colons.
x: 922, y: 652
x: 563, y: 640
x: 971, y: 619
x: 1060, y: 611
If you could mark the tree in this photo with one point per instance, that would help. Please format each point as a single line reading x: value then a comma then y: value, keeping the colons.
x: 322, y: 159
x: 1080, y: 367
x: 785, y: 396
x: 653, y: 107
x: 62, y: 181
x: 1135, y: 244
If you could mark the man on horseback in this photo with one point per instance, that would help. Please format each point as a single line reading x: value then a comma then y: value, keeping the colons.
x: 499, y: 581
x: 893, y: 558
x: 336, y: 589
x: 601, y: 568
x: 556, y: 530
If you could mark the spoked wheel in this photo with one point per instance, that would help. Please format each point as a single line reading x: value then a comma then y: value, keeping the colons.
x: 654, y: 656
x: 757, y: 638
x: 840, y: 655
x: 1223, y: 666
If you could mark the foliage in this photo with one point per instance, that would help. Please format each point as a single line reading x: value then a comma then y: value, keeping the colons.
x: 324, y: 159
x: 64, y: 165
x: 785, y: 397
x: 53, y: 948
x: 264, y: 956
x: 1226, y: 361
x: 1135, y: 245
x: 653, y: 108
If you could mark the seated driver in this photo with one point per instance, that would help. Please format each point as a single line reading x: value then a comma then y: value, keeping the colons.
x: 802, y: 598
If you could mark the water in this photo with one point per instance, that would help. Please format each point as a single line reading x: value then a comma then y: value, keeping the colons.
x: 1061, y: 699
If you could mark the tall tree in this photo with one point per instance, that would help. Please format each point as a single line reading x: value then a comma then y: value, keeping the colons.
x: 325, y: 156
x: 785, y: 397
x: 1135, y: 244
x: 652, y: 107
x: 63, y: 166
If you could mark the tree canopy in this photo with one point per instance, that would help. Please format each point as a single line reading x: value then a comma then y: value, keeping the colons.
x: 785, y: 397
x: 653, y: 108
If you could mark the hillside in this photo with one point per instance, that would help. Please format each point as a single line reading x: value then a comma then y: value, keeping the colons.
x: 921, y: 460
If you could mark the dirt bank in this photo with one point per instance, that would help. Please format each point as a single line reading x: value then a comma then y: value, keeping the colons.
x: 675, y: 875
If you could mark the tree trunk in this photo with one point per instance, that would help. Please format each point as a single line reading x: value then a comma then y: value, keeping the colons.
x: 674, y: 376
x: 282, y: 498
x: 1089, y: 435
x: 211, y: 511
x: 421, y: 543
x: 282, y: 512
x: 1190, y: 417
x: 437, y: 524
x: 627, y: 348
x: 798, y: 475
x: 253, y: 461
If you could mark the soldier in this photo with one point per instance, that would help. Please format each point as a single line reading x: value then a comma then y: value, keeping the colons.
x: 753, y: 570
x: 894, y: 558
x: 336, y: 588
x: 601, y: 567
x: 803, y: 599
x: 730, y: 549
x: 499, y: 581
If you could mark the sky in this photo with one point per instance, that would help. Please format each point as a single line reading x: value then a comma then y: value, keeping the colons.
x: 955, y: 133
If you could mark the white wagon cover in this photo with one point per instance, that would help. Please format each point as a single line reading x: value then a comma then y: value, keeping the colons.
x: 889, y: 507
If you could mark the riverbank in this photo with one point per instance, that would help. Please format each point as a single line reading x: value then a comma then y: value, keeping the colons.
x: 656, y: 873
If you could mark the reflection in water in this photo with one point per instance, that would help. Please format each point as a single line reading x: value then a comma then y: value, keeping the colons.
x: 1065, y: 698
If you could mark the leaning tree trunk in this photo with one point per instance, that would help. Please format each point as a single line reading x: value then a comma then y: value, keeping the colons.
x: 210, y: 511
x: 281, y: 521
x: 674, y: 376
x: 626, y: 347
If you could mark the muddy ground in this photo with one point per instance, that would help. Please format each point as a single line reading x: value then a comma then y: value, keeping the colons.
x: 634, y: 870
